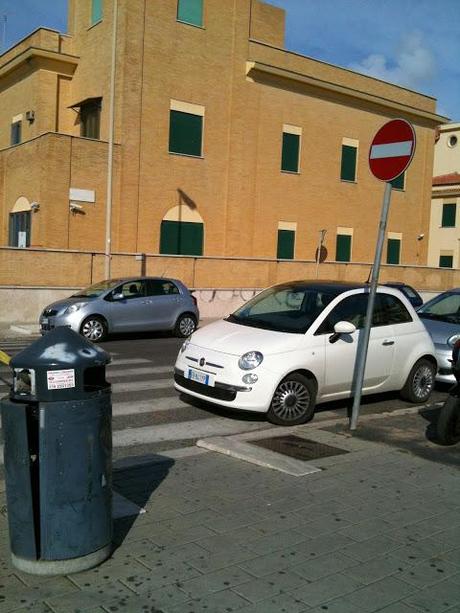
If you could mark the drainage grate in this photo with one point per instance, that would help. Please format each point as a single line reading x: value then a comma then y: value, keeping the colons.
x: 297, y: 447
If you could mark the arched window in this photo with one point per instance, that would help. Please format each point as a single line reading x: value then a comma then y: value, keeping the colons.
x: 182, y: 232
x: 20, y: 223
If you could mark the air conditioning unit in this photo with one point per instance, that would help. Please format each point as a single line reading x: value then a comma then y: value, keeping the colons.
x: 30, y: 116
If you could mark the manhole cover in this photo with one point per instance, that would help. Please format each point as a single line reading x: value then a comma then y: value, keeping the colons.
x: 297, y: 447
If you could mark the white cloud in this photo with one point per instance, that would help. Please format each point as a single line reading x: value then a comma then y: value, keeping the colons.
x: 412, y: 65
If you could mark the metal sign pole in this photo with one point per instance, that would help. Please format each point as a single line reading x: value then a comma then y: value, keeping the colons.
x: 364, y: 341
x: 322, y: 234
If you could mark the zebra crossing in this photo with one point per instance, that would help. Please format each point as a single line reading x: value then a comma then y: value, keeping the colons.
x: 149, y: 417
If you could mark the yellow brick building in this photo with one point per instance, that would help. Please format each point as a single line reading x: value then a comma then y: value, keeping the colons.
x: 225, y: 144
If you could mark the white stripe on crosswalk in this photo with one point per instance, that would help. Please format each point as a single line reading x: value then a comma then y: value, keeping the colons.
x: 140, y: 386
x: 183, y: 430
x: 133, y: 407
x: 147, y: 370
x: 128, y: 361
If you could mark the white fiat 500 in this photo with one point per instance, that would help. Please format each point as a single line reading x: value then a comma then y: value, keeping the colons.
x: 295, y: 344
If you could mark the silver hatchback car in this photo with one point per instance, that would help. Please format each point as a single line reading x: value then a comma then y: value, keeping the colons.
x: 136, y: 304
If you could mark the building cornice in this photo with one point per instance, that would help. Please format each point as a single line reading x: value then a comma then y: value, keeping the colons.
x: 260, y: 72
x: 61, y: 63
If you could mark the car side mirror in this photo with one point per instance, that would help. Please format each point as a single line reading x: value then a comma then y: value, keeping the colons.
x: 117, y: 296
x: 342, y: 327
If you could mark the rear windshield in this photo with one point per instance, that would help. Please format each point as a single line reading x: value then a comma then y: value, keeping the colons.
x: 93, y: 291
x: 284, y: 308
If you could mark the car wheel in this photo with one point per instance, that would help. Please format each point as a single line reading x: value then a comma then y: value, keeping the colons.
x: 185, y: 325
x: 420, y: 382
x: 448, y: 426
x: 293, y: 401
x: 94, y: 329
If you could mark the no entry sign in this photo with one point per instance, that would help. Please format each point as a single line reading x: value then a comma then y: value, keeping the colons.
x: 392, y: 149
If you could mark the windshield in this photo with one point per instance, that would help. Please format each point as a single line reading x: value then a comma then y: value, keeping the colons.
x: 445, y: 307
x: 284, y: 308
x: 93, y: 291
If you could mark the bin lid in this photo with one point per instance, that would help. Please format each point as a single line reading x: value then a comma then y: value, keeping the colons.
x: 61, y: 347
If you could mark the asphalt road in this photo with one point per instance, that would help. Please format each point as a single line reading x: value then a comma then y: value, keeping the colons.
x: 149, y: 416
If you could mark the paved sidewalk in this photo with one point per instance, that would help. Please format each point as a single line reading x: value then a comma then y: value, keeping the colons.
x: 377, y: 529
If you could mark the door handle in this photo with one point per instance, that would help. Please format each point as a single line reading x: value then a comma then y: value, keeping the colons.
x: 388, y: 343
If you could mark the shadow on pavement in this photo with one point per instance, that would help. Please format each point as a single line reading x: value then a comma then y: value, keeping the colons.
x: 137, y: 484
x: 410, y: 433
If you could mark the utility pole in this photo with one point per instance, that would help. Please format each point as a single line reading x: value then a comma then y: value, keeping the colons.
x: 108, y: 210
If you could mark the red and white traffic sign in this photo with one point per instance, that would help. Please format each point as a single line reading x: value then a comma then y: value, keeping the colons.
x: 392, y: 149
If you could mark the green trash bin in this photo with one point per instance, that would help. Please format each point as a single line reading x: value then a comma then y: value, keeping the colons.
x: 57, y: 429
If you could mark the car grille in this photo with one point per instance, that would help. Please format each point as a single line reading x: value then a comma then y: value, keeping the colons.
x: 50, y: 312
x: 220, y: 391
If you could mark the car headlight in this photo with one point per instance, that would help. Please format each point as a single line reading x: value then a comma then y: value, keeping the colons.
x: 250, y: 360
x: 73, y: 308
x: 185, y: 344
x: 453, y: 339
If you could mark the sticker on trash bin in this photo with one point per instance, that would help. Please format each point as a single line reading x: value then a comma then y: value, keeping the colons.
x: 60, y: 379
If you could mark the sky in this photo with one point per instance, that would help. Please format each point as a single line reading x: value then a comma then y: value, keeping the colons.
x: 413, y: 43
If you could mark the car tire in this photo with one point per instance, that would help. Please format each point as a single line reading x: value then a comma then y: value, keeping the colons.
x: 420, y: 382
x: 293, y: 402
x: 185, y: 325
x: 448, y: 426
x: 94, y: 329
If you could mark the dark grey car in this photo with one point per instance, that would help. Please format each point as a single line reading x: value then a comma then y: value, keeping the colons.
x: 135, y: 304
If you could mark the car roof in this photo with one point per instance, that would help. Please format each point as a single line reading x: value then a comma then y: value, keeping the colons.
x: 141, y: 278
x: 325, y: 285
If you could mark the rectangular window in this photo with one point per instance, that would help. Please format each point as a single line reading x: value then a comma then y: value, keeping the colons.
x: 449, y: 213
x: 90, y: 119
x: 16, y: 132
x: 393, y: 250
x: 190, y: 11
x: 348, y: 166
x: 19, y: 231
x: 343, y: 248
x: 399, y: 182
x: 186, y: 129
x: 96, y: 11
x: 446, y: 261
x: 286, y: 242
x: 290, y: 148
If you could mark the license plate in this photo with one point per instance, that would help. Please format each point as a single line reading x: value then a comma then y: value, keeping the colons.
x: 200, y: 377
x: 44, y: 321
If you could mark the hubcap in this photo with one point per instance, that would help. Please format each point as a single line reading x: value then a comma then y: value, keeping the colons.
x: 291, y: 400
x: 93, y: 330
x: 186, y: 326
x: 423, y: 381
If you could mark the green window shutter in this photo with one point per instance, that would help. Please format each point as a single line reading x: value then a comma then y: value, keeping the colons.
x: 286, y: 241
x: 290, y: 152
x: 348, y: 167
x: 181, y: 238
x: 446, y: 261
x: 190, y: 11
x: 96, y: 11
x: 343, y: 248
x: 448, y: 215
x: 393, y: 250
x: 16, y: 129
x: 398, y: 183
x: 185, y: 133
